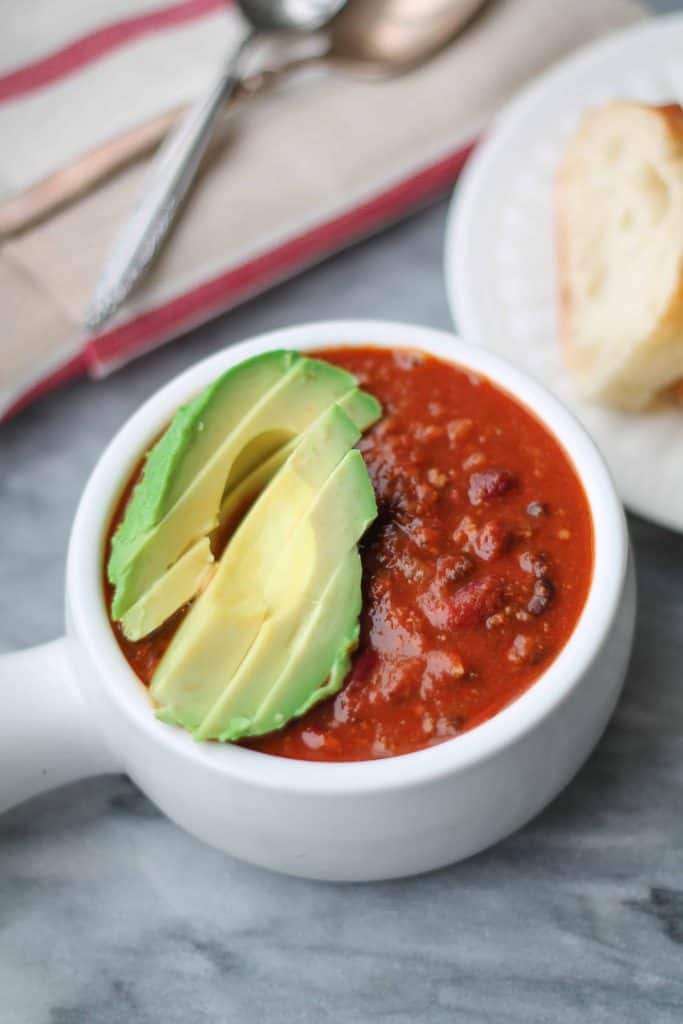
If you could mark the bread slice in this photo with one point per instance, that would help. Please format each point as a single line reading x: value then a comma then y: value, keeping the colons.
x: 620, y: 248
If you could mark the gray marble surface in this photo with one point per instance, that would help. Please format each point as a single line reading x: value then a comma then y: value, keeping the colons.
x: 111, y: 915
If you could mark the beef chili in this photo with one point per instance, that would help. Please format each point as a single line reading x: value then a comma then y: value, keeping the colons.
x: 474, y: 574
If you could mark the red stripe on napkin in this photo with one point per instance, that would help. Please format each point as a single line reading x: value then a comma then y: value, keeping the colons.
x: 89, y: 48
x: 226, y: 290
x: 75, y: 367
x: 212, y: 297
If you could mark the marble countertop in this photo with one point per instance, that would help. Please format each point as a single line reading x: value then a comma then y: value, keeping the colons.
x: 109, y: 914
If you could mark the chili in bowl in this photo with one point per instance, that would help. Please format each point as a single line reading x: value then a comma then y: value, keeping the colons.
x: 495, y: 629
x: 474, y: 573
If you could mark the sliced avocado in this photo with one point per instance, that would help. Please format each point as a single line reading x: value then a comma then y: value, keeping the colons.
x: 176, y: 587
x: 142, y: 553
x: 195, y: 432
x: 332, y: 527
x: 361, y: 407
x: 185, y: 577
x: 225, y: 619
x: 328, y: 637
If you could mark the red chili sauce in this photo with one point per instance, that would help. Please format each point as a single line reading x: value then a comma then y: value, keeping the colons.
x: 474, y: 574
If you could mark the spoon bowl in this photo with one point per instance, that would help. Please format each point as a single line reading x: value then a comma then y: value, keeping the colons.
x: 289, y: 15
x: 175, y: 167
x: 385, y: 37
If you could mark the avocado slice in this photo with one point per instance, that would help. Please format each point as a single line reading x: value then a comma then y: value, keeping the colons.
x: 225, y: 619
x: 193, y: 435
x: 192, y: 571
x: 328, y: 637
x: 143, y: 549
x: 180, y: 584
x: 359, y: 406
x: 337, y: 519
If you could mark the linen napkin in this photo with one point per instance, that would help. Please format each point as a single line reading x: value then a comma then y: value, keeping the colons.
x: 294, y: 174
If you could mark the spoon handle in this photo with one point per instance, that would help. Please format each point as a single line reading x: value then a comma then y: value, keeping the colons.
x: 167, y: 184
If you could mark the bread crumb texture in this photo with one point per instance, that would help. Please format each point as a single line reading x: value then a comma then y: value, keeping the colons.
x: 619, y: 216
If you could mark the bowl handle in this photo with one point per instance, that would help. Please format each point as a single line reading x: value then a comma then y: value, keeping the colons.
x: 47, y: 736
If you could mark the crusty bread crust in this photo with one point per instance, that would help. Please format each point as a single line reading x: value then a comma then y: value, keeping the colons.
x: 671, y: 323
x: 672, y: 320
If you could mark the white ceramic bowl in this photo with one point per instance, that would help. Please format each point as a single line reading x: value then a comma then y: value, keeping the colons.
x: 75, y: 708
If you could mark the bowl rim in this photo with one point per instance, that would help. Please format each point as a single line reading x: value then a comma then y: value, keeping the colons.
x: 88, y: 617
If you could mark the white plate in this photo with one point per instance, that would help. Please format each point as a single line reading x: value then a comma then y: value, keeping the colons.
x: 500, y: 266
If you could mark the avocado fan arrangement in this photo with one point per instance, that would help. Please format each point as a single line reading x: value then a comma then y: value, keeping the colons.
x: 265, y: 458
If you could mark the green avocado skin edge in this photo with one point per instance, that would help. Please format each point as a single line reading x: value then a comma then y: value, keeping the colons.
x: 297, y: 691
x: 221, y: 630
x: 260, y: 405
x: 280, y: 619
x: 312, y: 602
x: 184, y: 443
x: 299, y: 654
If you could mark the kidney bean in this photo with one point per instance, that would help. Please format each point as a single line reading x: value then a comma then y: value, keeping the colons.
x: 536, y: 564
x: 491, y: 541
x: 475, y: 601
x: 542, y: 596
x: 489, y: 483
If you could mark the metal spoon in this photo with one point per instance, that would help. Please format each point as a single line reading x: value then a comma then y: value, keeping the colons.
x: 175, y: 167
x: 424, y: 27
x: 384, y: 37
x: 371, y: 38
